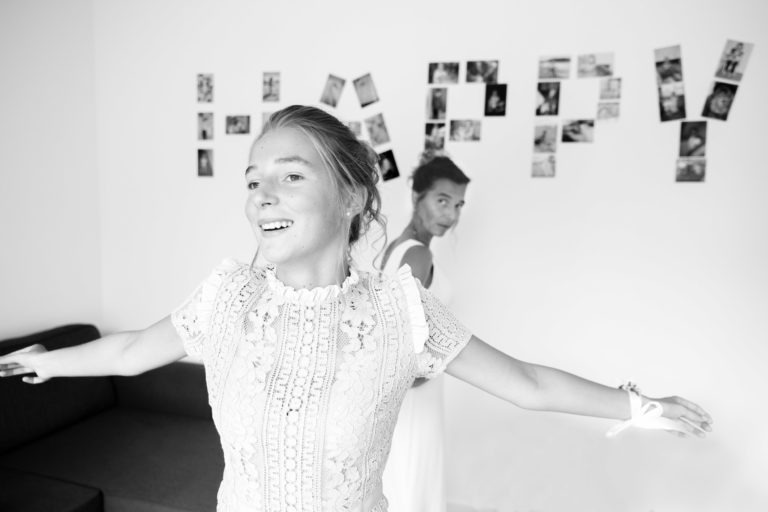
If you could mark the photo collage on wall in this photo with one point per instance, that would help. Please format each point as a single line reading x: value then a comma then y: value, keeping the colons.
x: 441, y: 78
x: 375, y: 126
x: 692, y: 163
x: 234, y: 124
x: 205, y: 125
x: 554, y: 70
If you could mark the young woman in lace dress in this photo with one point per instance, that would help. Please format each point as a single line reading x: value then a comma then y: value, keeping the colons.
x: 414, y: 478
x: 307, y: 360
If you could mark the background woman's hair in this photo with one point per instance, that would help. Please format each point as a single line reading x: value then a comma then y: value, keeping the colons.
x: 353, y: 164
x: 432, y: 167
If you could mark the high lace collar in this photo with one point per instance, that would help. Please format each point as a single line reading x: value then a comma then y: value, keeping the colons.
x: 305, y: 296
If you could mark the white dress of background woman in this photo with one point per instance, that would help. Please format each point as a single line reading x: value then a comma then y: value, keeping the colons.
x: 414, y: 477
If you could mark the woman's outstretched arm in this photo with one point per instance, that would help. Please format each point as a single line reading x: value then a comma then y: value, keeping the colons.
x: 123, y: 353
x: 542, y: 388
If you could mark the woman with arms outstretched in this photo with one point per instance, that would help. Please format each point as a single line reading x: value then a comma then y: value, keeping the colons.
x: 307, y: 360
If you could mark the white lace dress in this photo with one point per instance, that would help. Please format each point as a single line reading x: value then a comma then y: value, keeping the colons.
x: 305, y: 385
x: 414, y: 479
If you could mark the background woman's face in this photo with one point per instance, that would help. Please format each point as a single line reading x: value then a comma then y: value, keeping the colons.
x: 440, y: 208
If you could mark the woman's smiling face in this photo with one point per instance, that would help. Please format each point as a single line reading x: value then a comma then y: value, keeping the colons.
x: 293, y: 204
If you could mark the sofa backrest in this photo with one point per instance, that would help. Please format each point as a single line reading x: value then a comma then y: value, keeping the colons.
x: 178, y: 388
x: 29, y: 411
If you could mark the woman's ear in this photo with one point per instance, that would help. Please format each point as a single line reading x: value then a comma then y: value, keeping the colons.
x: 354, y: 204
x: 414, y: 198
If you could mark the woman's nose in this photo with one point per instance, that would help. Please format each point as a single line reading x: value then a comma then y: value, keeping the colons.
x: 265, y: 195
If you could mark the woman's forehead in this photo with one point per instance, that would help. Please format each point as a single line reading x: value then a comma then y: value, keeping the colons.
x: 448, y: 187
x: 284, y: 145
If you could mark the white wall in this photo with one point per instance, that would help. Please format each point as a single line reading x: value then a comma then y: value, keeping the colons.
x: 50, y: 258
x: 611, y: 270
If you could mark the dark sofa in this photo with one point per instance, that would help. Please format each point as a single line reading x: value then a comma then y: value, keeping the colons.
x: 115, y: 444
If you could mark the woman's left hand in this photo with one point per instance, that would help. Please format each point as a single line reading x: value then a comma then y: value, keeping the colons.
x: 690, y: 419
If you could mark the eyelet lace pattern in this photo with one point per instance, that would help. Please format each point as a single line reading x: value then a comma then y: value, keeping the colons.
x: 305, y: 385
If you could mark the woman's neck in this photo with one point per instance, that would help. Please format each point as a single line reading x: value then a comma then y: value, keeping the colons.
x: 412, y: 230
x: 311, y: 276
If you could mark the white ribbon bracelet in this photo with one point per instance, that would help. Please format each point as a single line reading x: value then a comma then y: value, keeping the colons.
x: 648, y: 416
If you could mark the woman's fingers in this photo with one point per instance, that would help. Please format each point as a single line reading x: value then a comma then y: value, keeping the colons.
x: 695, y: 419
x: 705, y: 416
x: 11, y: 369
x: 33, y: 380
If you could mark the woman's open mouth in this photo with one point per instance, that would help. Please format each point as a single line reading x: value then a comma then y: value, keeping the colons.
x: 275, y: 226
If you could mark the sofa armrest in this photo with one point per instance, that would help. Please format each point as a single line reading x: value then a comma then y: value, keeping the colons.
x: 178, y: 388
x: 28, y: 411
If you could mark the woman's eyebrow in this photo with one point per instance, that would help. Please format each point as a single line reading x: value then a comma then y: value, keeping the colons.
x: 283, y: 160
x: 292, y: 159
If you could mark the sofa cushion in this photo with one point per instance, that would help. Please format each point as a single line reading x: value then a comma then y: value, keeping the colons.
x: 31, y: 411
x: 140, y: 460
x: 177, y: 388
x: 20, y: 492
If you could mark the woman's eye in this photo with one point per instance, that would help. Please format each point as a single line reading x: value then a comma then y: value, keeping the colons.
x: 294, y: 177
x: 442, y: 202
x: 253, y: 185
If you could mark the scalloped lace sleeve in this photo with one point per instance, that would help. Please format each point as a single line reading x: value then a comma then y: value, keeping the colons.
x: 418, y: 321
x: 438, y: 336
x: 192, y: 319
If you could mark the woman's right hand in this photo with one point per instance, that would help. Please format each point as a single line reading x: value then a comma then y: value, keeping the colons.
x: 24, y: 362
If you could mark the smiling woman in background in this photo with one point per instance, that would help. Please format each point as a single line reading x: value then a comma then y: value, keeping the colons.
x: 414, y: 480
x: 307, y: 360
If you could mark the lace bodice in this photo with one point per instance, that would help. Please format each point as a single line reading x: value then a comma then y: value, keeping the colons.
x: 305, y: 385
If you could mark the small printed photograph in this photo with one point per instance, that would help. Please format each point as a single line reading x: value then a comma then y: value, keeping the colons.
x: 691, y: 169
x: 719, y: 101
x: 388, y: 165
x: 443, y: 73
x: 543, y: 165
x: 205, y: 88
x: 608, y: 110
x: 555, y: 67
x: 332, y: 91
x: 595, y: 64
x: 545, y: 138
x: 579, y: 130
x: 238, y: 125
x: 547, y: 98
x: 496, y: 99
x: 483, y: 71
x: 693, y: 138
x: 205, y: 162
x: 733, y: 62
x: 437, y: 103
x: 669, y: 65
x: 671, y: 101
x: 205, y: 126
x: 271, y: 89
x: 366, y: 91
x: 463, y: 130
x: 434, y: 136
x: 356, y: 127
x: 377, y: 130
x: 610, y: 88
